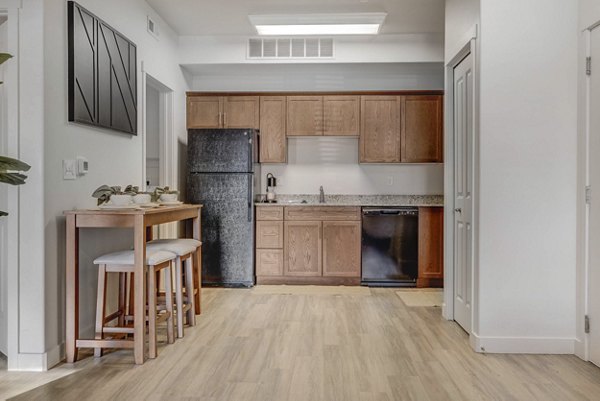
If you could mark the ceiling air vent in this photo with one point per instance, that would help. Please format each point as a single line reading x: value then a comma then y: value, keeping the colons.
x: 290, y: 48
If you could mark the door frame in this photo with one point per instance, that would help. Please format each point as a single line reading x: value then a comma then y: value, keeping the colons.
x: 166, y: 130
x: 468, y: 45
x: 582, y: 343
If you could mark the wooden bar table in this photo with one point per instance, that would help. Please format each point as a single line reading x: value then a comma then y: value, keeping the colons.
x: 140, y: 220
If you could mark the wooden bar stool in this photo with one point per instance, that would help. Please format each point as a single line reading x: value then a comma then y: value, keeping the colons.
x: 123, y: 264
x: 184, y: 249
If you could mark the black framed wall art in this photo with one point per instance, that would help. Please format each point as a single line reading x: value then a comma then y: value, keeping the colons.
x: 102, y: 73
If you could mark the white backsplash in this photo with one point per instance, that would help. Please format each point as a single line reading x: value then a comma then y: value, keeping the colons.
x: 333, y: 163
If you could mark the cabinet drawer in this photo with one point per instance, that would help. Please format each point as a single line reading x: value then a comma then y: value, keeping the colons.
x: 269, y: 234
x: 269, y: 213
x: 269, y: 262
x: 328, y: 213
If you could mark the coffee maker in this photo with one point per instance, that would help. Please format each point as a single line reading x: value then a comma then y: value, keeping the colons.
x: 271, y: 184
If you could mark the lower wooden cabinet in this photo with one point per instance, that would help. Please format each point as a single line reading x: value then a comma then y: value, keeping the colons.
x: 319, y: 245
x: 302, y: 248
x: 269, y: 262
x: 341, y: 249
x: 431, y: 247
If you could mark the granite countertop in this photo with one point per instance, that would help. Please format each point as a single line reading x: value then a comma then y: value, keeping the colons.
x: 357, y: 200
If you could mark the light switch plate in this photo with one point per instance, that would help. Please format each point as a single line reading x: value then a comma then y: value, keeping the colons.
x: 69, y: 169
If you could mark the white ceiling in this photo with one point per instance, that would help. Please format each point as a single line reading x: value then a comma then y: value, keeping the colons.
x: 230, y: 17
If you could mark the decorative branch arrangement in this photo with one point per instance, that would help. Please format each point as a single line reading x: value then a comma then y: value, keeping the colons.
x: 104, y: 192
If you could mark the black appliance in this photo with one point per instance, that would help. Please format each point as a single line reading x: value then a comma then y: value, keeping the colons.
x: 223, y: 176
x: 390, y: 246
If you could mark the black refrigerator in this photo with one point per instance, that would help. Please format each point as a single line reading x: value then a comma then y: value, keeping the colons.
x: 223, y: 175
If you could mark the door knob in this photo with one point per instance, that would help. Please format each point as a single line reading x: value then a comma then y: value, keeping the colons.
x: 458, y: 210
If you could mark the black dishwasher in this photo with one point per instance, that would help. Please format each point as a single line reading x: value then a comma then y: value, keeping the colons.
x: 390, y: 246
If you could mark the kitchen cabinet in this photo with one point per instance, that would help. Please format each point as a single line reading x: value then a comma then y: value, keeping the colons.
x: 341, y: 249
x: 223, y: 112
x: 341, y: 115
x: 273, y: 141
x: 303, y: 248
x: 204, y: 111
x: 241, y: 112
x: 431, y: 247
x: 380, y: 129
x: 269, y: 241
x: 304, y: 115
x: 320, y: 245
x: 422, y: 129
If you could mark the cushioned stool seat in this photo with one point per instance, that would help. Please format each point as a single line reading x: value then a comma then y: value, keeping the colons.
x: 153, y: 257
x: 184, y: 248
x: 122, y: 262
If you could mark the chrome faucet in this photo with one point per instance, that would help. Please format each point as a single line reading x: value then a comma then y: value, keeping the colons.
x: 321, y: 195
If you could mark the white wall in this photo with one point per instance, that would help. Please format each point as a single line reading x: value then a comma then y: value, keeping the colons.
x: 115, y: 159
x: 3, y: 201
x: 406, y: 48
x: 316, y: 77
x: 333, y: 163
x: 461, y: 16
x: 528, y: 145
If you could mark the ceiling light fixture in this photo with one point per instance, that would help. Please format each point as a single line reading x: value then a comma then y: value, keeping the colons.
x: 318, y: 24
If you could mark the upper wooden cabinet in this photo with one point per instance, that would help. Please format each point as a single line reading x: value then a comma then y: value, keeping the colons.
x: 223, y: 112
x: 380, y: 129
x: 204, y: 111
x: 341, y: 115
x: 304, y: 115
x: 241, y: 112
x: 393, y: 127
x: 273, y: 142
x: 422, y: 127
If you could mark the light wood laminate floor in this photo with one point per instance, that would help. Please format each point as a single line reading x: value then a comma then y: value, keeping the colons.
x: 253, y: 345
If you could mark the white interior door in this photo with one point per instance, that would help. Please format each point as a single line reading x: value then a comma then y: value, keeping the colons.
x: 594, y: 207
x: 463, y: 191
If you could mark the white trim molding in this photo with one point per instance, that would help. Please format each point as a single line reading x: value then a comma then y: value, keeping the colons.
x: 523, y: 345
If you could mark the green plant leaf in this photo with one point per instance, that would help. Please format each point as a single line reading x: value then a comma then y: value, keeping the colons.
x: 4, y: 57
x: 8, y: 163
x: 12, y: 178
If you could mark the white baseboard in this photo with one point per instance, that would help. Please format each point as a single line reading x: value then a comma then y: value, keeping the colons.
x: 581, y: 349
x: 523, y: 345
x: 36, y: 362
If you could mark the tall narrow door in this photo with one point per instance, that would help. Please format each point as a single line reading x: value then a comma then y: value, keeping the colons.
x: 594, y: 207
x: 463, y: 191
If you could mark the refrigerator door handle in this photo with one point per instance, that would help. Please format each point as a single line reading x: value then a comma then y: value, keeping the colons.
x: 250, y: 187
x: 250, y: 155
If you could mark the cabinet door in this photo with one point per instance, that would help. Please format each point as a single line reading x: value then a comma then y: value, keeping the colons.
x: 304, y: 115
x: 269, y: 234
x: 303, y: 248
x: 341, y: 249
x: 431, y: 247
x: 380, y: 129
x: 269, y: 262
x: 422, y: 133
x: 204, y: 111
x: 273, y: 142
x: 241, y: 112
x: 341, y: 115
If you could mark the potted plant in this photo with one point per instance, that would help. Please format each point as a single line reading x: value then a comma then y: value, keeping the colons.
x: 11, y: 169
x: 165, y: 194
x: 114, y: 194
